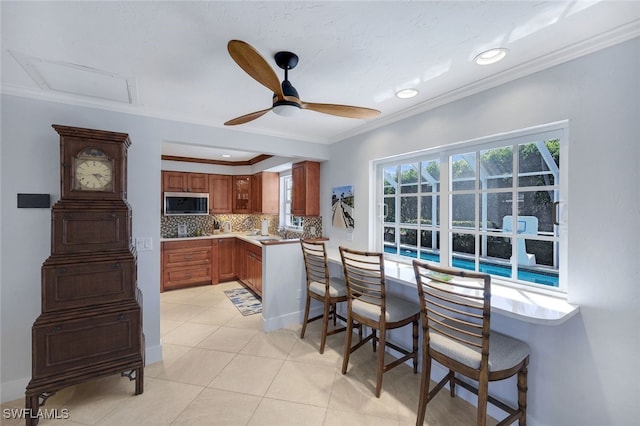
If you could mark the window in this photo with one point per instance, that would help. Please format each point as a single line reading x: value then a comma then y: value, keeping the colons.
x: 491, y: 205
x: 286, y: 218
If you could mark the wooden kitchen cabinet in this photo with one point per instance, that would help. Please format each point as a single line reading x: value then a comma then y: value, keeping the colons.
x: 254, y: 268
x: 305, y: 197
x: 185, y: 182
x: 265, y: 193
x: 227, y: 269
x: 186, y: 263
x: 241, y: 194
x: 220, y: 194
x: 249, y: 265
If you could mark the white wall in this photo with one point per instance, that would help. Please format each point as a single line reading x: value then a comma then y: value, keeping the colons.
x: 30, y: 164
x: 577, y: 373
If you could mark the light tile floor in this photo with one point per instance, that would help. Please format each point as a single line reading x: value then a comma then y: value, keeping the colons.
x: 219, y: 368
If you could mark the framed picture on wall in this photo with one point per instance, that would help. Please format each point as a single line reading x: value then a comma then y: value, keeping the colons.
x: 342, y: 207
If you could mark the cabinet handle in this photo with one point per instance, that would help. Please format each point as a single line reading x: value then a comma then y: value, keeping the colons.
x: 120, y: 317
x: 113, y: 215
x: 188, y: 257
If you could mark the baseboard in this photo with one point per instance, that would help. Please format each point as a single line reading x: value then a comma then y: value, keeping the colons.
x: 283, y: 321
x: 152, y: 354
x: 14, y: 389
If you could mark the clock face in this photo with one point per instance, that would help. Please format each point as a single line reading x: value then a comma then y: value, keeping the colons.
x: 93, y: 171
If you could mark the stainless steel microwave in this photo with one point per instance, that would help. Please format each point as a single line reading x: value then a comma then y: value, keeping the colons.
x: 186, y: 203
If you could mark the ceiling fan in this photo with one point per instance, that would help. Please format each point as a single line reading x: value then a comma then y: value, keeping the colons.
x: 285, y: 97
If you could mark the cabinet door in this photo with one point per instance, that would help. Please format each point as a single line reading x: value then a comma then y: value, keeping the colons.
x: 215, y: 261
x: 265, y: 190
x: 241, y: 260
x: 197, y: 182
x: 241, y: 194
x: 220, y: 194
x: 174, y: 182
x: 226, y: 259
x: 184, y: 182
x: 256, y: 193
x: 305, y: 196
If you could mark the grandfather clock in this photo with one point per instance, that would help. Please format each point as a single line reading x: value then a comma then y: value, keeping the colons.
x: 91, y: 320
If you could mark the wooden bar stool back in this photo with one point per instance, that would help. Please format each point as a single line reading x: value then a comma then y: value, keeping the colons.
x: 320, y: 286
x: 370, y: 305
x: 455, y: 313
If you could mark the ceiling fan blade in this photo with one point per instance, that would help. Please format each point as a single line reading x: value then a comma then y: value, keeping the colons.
x: 247, y: 117
x: 341, y: 110
x: 255, y: 65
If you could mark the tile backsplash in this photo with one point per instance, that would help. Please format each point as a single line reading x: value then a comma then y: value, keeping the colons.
x: 239, y: 223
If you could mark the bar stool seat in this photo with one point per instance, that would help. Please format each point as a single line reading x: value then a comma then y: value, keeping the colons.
x: 455, y: 311
x: 321, y: 287
x: 369, y: 304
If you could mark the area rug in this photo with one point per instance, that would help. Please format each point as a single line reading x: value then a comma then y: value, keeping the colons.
x: 245, y: 301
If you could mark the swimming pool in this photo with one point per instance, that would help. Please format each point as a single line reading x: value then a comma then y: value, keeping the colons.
x: 529, y: 275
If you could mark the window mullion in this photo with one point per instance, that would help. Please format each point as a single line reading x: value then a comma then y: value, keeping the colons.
x: 445, y: 210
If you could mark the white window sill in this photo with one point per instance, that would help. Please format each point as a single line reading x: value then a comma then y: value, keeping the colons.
x: 521, y: 304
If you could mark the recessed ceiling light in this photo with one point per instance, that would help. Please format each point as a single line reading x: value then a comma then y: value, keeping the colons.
x: 406, y: 93
x: 491, y: 56
x: 226, y: 155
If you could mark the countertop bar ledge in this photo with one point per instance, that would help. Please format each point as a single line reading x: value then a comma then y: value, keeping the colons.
x: 520, y: 304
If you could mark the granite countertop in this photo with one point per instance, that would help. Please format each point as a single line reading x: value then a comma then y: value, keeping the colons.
x: 255, y: 239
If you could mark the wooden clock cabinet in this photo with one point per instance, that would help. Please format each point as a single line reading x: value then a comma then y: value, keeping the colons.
x: 91, y: 308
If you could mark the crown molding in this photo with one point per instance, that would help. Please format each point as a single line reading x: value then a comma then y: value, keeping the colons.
x: 602, y: 41
x: 249, y: 162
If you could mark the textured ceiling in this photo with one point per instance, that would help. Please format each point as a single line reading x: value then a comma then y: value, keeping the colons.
x: 169, y: 59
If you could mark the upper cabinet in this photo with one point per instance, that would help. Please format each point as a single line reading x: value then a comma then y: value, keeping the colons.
x: 241, y: 194
x: 220, y: 194
x: 184, y: 182
x: 265, y: 193
x: 305, y: 197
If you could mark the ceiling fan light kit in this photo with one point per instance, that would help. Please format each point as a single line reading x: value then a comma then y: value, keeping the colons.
x: 286, y: 101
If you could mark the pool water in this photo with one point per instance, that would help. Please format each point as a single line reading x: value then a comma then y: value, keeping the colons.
x: 533, y: 276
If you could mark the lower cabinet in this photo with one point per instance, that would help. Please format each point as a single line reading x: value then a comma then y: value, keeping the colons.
x: 249, y: 265
x: 186, y: 263
x: 227, y: 259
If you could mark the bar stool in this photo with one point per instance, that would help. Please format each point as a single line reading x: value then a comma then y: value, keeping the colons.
x: 323, y: 288
x: 455, y: 312
x: 369, y: 304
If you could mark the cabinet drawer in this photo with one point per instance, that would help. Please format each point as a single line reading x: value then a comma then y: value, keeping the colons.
x: 184, y: 257
x: 186, y: 276
x: 87, y: 340
x: 66, y: 286
x: 87, y: 231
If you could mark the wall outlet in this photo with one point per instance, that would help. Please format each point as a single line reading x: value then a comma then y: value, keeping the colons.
x: 312, y: 231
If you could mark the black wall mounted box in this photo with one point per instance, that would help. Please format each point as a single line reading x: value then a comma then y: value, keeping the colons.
x: 34, y: 201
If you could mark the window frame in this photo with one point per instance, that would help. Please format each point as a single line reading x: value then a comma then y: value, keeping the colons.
x: 286, y: 218
x: 558, y: 130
